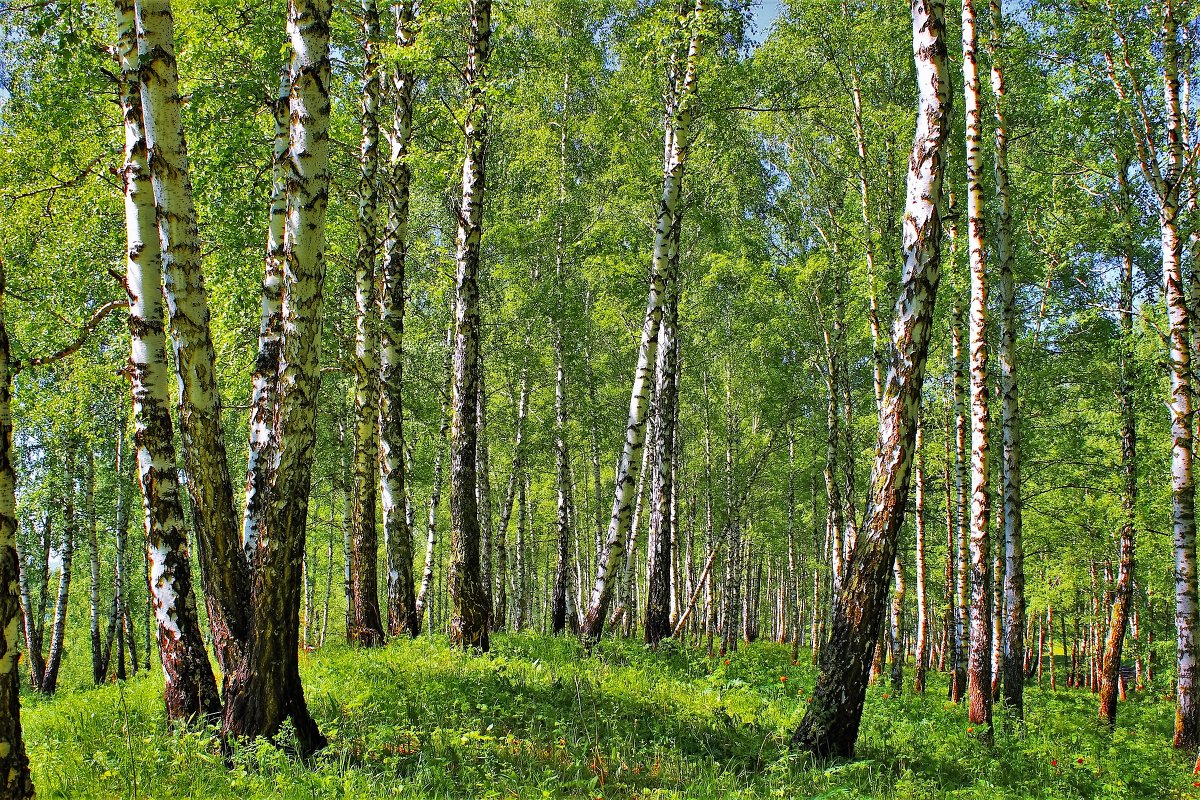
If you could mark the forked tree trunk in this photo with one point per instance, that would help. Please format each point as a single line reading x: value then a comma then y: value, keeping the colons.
x: 364, y: 624
x: 677, y: 138
x: 265, y: 689
x: 830, y: 726
x: 15, y: 780
x: 469, y: 621
x: 191, y: 690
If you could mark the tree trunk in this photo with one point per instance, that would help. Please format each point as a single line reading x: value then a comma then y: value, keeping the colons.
x: 402, y: 610
x: 364, y: 624
x: 830, y: 726
x: 1110, y: 670
x: 958, y: 682
x: 1014, y: 551
x: 677, y: 138
x: 93, y: 544
x: 270, y: 329
x: 15, y: 780
x: 224, y: 569
x: 265, y: 688
x: 921, y: 660
x: 469, y: 623
x: 191, y: 689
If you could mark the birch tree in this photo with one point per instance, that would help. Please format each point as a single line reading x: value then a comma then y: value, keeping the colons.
x: 363, y: 623
x: 15, y: 780
x: 677, y: 141
x: 830, y: 725
x: 469, y: 622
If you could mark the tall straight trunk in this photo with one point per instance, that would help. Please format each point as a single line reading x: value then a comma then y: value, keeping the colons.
x: 270, y: 328
x: 435, y: 495
x: 500, y: 608
x: 15, y: 780
x: 483, y: 494
x: 979, y: 667
x: 830, y: 726
x: 469, y: 623
x: 1165, y: 168
x: 119, y: 606
x: 265, y: 689
x: 860, y: 141
x: 49, y: 681
x: 921, y: 659
x: 93, y: 544
x: 364, y: 624
x: 833, y: 492
x: 224, y: 569
x: 190, y: 688
x: 677, y: 139
x: 897, y: 624
x: 962, y: 585
x: 34, y: 616
x: 948, y: 655
x: 1110, y: 667
x: 402, y: 602
x: 558, y: 604
x: 1014, y: 549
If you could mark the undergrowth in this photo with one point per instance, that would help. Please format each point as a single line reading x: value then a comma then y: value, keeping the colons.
x: 536, y: 718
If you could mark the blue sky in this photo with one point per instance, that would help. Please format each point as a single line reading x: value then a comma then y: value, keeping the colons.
x: 764, y: 13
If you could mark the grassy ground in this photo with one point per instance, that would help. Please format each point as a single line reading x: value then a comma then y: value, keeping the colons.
x: 535, y: 719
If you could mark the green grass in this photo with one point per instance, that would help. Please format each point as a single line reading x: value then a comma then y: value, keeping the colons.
x: 537, y: 719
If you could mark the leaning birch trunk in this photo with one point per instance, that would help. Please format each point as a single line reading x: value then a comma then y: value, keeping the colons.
x: 1110, y: 670
x: 469, y: 621
x: 15, y: 780
x: 265, y: 689
x: 830, y: 726
x: 224, y: 570
x: 1014, y: 550
x: 677, y: 138
x: 191, y: 689
x: 363, y: 622
x: 979, y: 691
x: 921, y: 659
x: 402, y: 601
x: 266, y: 362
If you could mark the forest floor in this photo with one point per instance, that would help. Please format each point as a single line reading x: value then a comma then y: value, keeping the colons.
x: 537, y: 719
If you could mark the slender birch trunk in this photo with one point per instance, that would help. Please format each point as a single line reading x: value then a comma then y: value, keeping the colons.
x: 265, y: 688
x: 1014, y: 550
x: 1110, y: 670
x: 363, y: 621
x: 266, y: 362
x: 897, y: 624
x: 1165, y: 171
x: 830, y: 726
x: 958, y: 684
x: 469, y: 623
x: 677, y: 138
x: 921, y: 661
x: 562, y: 455
x: 15, y: 780
x: 979, y: 692
x: 224, y: 571
x: 402, y: 610
x: 93, y: 545
x: 191, y: 689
